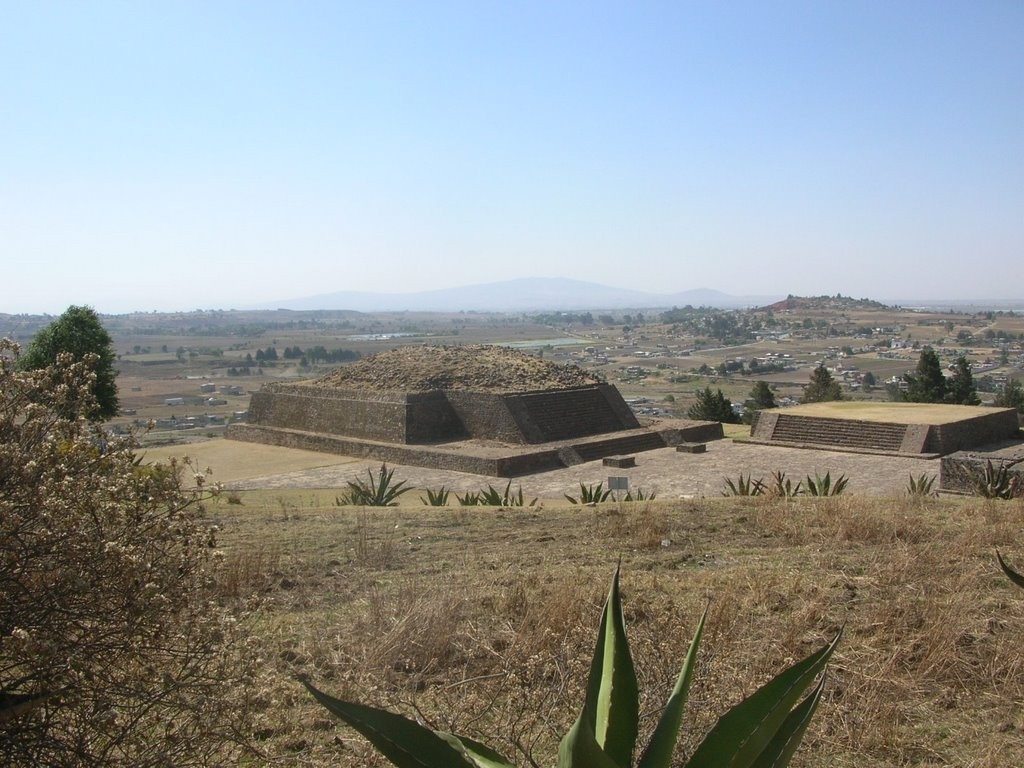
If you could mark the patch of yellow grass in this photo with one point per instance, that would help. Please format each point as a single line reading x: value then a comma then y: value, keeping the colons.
x: 899, y: 413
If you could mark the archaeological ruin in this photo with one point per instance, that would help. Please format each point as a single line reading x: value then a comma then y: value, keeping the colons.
x: 488, y: 410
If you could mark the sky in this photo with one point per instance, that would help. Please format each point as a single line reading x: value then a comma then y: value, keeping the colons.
x: 202, y: 155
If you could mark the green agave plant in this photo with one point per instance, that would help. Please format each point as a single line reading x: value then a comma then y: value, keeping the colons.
x: 762, y: 731
x: 823, y: 486
x: 590, y: 494
x: 783, y: 488
x: 921, y: 486
x: 376, y: 491
x: 744, y: 486
x: 438, y: 498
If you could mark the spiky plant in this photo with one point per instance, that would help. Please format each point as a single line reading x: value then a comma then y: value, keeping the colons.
x: 492, y: 497
x: 998, y: 482
x: 438, y: 498
x: 762, y: 731
x: 377, y: 491
x: 823, y: 486
x: 783, y: 487
x: 921, y: 486
x: 639, y: 495
x: 744, y: 486
x: 590, y: 494
x: 469, y: 499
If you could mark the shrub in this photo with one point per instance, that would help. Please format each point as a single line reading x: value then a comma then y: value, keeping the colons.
x: 763, y: 730
x: 114, y: 649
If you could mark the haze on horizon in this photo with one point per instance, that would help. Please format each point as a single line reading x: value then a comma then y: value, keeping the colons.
x: 217, y: 155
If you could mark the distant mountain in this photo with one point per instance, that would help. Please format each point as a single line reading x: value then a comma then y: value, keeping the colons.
x: 522, y: 295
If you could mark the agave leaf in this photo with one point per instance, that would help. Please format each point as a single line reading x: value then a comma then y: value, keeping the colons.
x: 616, y: 712
x: 611, y: 709
x: 742, y: 733
x: 579, y: 748
x: 404, y: 742
x: 482, y: 755
x: 1011, y: 574
x: 658, y: 753
x: 783, y: 746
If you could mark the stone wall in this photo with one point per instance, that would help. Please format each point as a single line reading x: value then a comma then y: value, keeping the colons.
x: 990, y: 426
x: 442, y: 416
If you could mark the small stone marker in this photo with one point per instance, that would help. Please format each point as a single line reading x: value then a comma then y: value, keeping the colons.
x: 691, y: 447
x: 620, y: 462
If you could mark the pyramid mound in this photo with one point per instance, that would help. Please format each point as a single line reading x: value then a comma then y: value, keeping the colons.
x: 477, y: 368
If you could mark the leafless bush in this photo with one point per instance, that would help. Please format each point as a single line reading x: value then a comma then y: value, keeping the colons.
x: 114, y: 649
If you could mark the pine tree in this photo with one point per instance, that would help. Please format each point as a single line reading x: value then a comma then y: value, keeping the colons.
x: 712, y: 407
x: 762, y: 397
x: 822, y: 388
x: 927, y: 384
x: 960, y: 389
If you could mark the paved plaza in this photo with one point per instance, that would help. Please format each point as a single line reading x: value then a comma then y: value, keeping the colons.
x: 668, y: 473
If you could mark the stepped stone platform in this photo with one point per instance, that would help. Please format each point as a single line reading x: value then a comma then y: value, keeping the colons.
x: 901, y: 429
x: 480, y: 409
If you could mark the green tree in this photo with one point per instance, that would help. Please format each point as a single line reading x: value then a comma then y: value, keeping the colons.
x: 761, y: 396
x: 712, y: 406
x: 961, y: 390
x: 1012, y: 396
x: 79, y: 333
x: 927, y: 384
x: 822, y: 387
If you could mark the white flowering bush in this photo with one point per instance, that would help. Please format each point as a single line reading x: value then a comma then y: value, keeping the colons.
x: 114, y: 649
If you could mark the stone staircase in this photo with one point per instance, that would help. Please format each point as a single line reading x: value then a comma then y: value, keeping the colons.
x: 864, y: 435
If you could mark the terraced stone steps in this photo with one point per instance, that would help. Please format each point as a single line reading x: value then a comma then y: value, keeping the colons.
x: 876, y: 436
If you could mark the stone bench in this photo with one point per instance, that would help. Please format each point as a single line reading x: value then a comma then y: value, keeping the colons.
x: 620, y: 462
x: 691, y: 447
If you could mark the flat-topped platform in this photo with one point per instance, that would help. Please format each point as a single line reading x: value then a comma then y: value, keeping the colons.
x: 489, y: 458
x: 921, y: 429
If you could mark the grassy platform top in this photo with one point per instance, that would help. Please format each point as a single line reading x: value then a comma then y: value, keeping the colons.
x: 893, y: 413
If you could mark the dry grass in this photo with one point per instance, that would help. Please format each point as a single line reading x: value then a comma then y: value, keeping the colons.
x: 483, y: 620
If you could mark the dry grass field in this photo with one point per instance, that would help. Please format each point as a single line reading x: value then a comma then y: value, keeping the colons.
x: 482, y: 620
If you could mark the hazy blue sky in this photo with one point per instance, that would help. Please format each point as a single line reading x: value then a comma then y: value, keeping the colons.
x: 183, y: 155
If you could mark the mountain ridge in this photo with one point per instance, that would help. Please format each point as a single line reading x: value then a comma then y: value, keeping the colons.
x: 519, y: 295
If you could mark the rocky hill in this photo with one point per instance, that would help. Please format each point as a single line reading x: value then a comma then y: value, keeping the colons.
x: 470, y: 367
